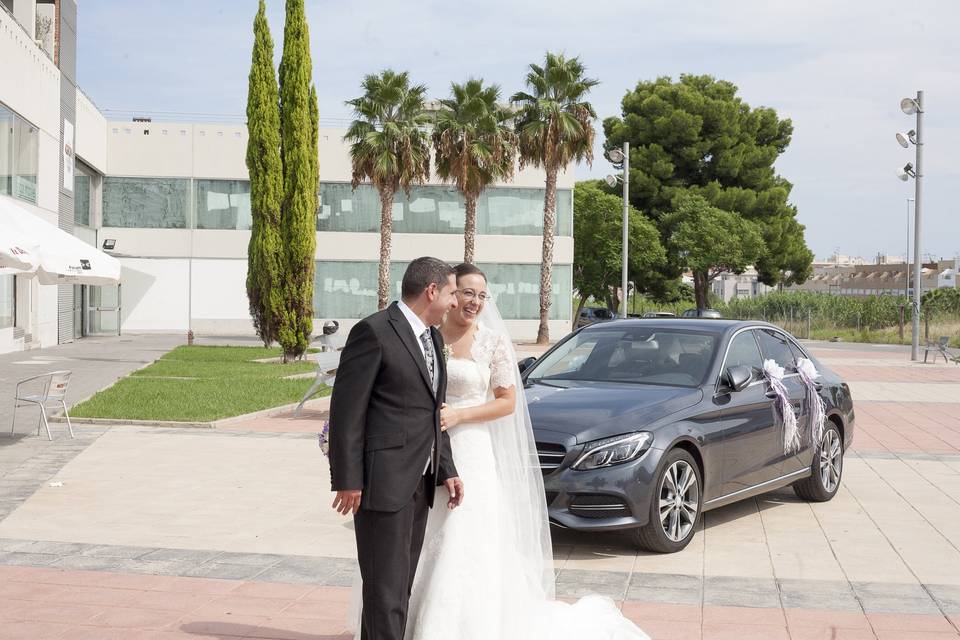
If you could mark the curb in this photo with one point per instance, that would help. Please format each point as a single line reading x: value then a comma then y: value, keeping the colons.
x: 215, y: 424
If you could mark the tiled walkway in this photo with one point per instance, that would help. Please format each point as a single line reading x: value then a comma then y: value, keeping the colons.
x: 135, y: 532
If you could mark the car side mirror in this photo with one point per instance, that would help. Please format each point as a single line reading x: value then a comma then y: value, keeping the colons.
x: 738, y: 377
x: 526, y: 363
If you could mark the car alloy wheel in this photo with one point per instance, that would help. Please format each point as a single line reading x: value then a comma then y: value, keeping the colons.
x: 831, y: 460
x: 679, y: 500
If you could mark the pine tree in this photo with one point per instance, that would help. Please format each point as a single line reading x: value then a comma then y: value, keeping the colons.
x: 264, y: 253
x: 300, y: 160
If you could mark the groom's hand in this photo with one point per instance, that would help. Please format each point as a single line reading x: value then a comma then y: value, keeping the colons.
x: 347, y: 501
x: 455, y: 488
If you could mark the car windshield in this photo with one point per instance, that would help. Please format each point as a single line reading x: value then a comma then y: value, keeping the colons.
x: 632, y: 354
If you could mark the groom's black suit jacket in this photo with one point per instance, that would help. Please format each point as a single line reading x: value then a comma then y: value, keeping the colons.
x: 384, y: 416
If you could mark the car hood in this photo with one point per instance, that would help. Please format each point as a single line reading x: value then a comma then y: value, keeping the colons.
x: 592, y: 410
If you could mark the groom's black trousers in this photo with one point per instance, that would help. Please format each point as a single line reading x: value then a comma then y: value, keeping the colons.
x: 388, y: 545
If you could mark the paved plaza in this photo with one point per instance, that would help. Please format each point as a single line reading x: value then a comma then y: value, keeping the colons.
x: 152, y: 532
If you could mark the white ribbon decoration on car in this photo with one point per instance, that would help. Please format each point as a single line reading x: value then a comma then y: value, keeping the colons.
x: 791, y: 434
x: 815, y: 404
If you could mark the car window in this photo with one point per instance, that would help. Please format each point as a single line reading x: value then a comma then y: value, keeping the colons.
x: 745, y: 352
x: 776, y: 347
x: 795, y: 350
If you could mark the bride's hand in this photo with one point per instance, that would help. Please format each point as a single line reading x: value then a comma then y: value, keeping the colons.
x: 449, y: 417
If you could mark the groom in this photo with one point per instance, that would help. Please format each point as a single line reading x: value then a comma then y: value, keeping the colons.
x: 387, y: 452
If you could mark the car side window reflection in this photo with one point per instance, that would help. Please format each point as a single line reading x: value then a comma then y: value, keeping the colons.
x: 745, y: 352
x: 775, y: 346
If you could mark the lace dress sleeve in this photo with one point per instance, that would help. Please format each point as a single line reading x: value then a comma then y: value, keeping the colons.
x: 503, y: 370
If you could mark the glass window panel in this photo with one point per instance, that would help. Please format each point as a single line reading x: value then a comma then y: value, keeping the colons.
x: 441, y: 209
x: 81, y: 199
x: 7, y: 305
x: 348, y: 290
x: 7, y: 119
x: 145, y: 203
x: 26, y: 160
x: 223, y: 204
x: 516, y: 290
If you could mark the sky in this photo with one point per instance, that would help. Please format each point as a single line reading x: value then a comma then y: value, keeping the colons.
x: 838, y: 70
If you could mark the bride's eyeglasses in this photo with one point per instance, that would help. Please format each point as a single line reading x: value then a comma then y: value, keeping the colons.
x: 469, y: 295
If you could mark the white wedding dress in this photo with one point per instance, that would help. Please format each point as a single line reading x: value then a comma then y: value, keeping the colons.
x: 484, y: 573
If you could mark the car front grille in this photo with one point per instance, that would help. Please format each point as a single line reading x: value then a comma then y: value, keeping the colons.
x: 589, y: 505
x: 551, y: 456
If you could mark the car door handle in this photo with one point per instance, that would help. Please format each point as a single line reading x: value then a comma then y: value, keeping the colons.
x: 771, y: 394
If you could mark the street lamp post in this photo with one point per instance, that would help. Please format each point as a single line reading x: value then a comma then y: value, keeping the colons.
x: 911, y: 106
x: 906, y: 260
x: 621, y: 160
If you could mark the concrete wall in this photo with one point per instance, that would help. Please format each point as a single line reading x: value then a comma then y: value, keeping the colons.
x: 210, y: 150
x: 91, y: 133
x: 30, y: 81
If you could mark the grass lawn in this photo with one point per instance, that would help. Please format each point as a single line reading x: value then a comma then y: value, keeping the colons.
x: 200, y: 384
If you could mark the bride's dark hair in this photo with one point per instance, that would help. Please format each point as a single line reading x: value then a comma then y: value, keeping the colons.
x: 467, y: 269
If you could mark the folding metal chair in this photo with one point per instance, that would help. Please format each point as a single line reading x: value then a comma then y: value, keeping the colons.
x: 54, y: 393
x: 938, y: 348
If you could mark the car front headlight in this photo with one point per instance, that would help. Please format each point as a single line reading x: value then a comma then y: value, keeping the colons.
x: 615, y: 450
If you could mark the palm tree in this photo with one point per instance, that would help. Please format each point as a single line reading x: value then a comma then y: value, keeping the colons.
x: 555, y: 126
x: 389, y: 147
x: 475, y: 147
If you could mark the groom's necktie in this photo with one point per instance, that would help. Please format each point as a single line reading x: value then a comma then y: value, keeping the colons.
x: 428, y: 356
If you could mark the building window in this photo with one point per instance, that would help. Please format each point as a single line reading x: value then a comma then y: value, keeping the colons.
x: 145, y: 203
x: 19, y: 156
x: 81, y: 199
x: 441, y: 209
x: 7, y: 302
x: 223, y: 204
x: 348, y: 290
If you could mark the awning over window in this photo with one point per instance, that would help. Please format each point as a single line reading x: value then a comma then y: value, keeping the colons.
x: 31, y: 246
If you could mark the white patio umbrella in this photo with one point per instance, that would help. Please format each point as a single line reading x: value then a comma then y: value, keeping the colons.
x: 17, y: 251
x: 56, y: 257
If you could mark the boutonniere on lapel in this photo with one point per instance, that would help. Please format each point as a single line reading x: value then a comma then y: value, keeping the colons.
x: 447, y: 351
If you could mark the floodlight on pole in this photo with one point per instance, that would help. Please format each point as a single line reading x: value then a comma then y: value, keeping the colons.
x: 615, y: 156
x: 914, y: 106
x: 621, y: 160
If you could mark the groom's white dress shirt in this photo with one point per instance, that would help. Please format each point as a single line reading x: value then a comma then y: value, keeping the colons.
x: 418, y: 328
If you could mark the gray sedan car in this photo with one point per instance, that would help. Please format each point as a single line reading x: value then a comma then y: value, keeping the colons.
x: 646, y: 424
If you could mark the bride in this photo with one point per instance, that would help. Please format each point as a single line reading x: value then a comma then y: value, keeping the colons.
x: 486, y: 570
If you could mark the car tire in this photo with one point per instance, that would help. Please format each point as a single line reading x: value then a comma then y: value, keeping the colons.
x: 671, y: 527
x: 826, y: 469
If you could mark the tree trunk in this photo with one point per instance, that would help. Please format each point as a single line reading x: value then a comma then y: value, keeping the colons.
x: 576, y: 315
x: 470, y: 229
x: 546, y: 264
x: 701, y: 285
x: 386, y: 243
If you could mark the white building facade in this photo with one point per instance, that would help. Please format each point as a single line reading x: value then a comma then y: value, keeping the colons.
x: 171, y: 201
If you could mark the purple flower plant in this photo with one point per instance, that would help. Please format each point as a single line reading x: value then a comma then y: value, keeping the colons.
x: 324, y: 438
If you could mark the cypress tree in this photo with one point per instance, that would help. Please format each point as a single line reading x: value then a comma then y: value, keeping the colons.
x: 300, y: 160
x: 264, y: 253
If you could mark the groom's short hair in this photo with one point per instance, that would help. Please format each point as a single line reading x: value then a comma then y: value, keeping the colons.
x: 421, y: 273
